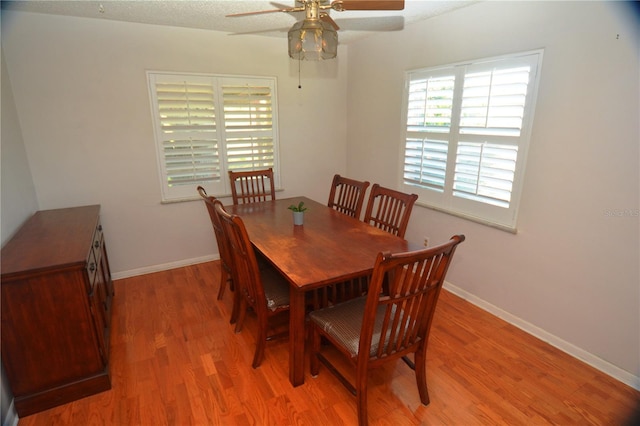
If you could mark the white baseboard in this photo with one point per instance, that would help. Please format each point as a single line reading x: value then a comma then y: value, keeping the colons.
x: 597, y: 363
x: 163, y: 267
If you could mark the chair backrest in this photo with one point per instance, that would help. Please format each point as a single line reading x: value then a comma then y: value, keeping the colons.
x: 252, y: 186
x: 203, y: 193
x: 415, y: 280
x: 246, y: 272
x: 389, y: 209
x: 347, y: 195
x: 221, y: 238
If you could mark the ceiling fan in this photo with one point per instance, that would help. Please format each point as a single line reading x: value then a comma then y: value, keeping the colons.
x: 316, y: 36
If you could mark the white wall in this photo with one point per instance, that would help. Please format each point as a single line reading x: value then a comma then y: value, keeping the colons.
x: 81, y: 94
x: 571, y: 273
x: 17, y: 202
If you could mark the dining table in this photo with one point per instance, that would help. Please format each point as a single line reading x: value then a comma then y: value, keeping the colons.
x: 328, y: 248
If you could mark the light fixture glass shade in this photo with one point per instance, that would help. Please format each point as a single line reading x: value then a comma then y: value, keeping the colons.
x: 313, y: 40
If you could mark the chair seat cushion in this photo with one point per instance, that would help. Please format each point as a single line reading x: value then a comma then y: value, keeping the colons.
x: 343, y: 322
x: 276, y: 289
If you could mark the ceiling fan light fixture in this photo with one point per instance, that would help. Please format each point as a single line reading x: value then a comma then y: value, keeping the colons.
x: 313, y: 40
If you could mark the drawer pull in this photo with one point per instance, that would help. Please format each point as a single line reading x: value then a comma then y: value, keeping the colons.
x: 96, y: 244
x: 92, y: 267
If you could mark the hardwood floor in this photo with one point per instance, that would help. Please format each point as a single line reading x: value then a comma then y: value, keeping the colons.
x: 176, y: 361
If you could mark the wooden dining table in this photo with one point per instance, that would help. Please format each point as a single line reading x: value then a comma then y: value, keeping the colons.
x: 329, y: 248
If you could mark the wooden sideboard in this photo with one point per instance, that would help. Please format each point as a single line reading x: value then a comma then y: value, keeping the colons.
x: 56, y: 309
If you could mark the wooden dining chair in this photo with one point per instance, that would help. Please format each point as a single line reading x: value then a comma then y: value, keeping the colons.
x: 347, y: 195
x: 264, y: 290
x: 221, y: 240
x: 385, y: 326
x: 389, y: 209
x: 252, y: 186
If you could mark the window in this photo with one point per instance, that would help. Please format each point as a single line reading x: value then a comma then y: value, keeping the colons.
x: 467, y: 134
x: 206, y: 125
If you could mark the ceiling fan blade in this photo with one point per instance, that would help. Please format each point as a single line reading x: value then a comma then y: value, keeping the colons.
x: 235, y: 15
x: 326, y: 18
x: 288, y: 9
x: 368, y: 4
x: 379, y: 23
x: 276, y: 32
x: 280, y: 5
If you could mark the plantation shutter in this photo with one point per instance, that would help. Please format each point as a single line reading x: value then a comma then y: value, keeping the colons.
x: 248, y: 118
x: 207, y: 125
x: 467, y: 135
x: 188, y: 132
x: 493, y: 100
x: 493, y: 105
x: 429, y: 113
x: 485, y: 172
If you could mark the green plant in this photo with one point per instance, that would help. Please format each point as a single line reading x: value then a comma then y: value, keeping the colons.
x: 299, y: 208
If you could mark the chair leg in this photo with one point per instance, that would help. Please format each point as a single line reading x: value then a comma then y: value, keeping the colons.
x: 240, y: 314
x: 261, y: 341
x: 421, y: 375
x: 314, y: 362
x: 361, y: 397
x: 223, y: 283
x: 410, y: 363
x: 236, y: 307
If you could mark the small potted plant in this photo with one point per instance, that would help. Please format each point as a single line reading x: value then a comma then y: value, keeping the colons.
x: 298, y: 213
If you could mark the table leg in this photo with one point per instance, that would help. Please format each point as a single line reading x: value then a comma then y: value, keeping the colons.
x: 296, y: 336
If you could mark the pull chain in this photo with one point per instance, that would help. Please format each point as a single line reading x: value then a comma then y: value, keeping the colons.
x: 299, y: 83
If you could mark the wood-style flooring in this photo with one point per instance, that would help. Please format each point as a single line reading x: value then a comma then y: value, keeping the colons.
x: 175, y: 360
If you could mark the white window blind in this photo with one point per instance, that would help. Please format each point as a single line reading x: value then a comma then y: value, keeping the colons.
x: 248, y: 114
x: 429, y: 112
x: 206, y: 125
x: 467, y: 135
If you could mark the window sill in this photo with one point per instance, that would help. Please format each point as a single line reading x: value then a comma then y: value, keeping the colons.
x: 511, y: 230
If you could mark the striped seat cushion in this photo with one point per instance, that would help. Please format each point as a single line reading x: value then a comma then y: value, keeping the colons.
x: 343, y: 322
x: 276, y: 289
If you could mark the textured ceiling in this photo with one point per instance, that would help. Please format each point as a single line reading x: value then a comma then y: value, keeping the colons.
x: 211, y: 14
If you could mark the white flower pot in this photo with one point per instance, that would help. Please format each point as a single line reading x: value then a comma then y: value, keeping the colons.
x: 298, y: 218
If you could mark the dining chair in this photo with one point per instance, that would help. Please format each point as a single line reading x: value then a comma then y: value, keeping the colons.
x: 385, y: 326
x: 221, y: 240
x: 389, y: 209
x: 252, y: 186
x: 347, y: 195
x: 264, y: 290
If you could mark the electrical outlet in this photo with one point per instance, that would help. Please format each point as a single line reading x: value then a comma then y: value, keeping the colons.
x: 426, y: 241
